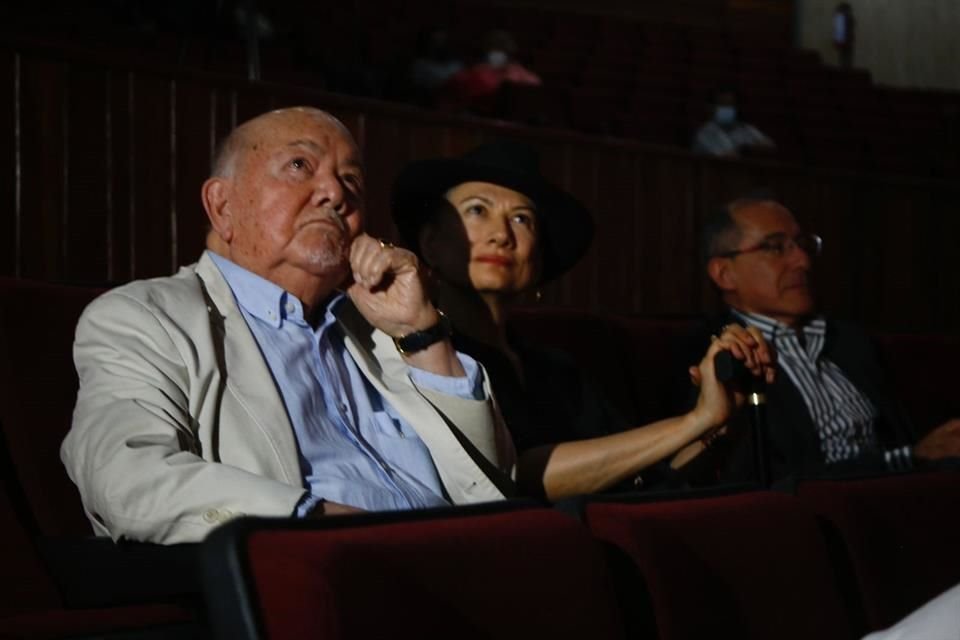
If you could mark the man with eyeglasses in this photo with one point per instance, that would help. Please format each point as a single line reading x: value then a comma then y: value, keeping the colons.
x: 830, y: 408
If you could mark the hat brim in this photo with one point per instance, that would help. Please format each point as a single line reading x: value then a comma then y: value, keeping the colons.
x: 565, y: 227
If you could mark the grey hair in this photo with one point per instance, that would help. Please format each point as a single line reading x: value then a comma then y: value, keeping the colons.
x: 720, y: 231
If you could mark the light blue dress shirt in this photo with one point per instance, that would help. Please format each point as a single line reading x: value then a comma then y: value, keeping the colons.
x: 354, y: 448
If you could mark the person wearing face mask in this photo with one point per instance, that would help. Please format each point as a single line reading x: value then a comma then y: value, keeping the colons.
x: 725, y: 134
x: 477, y: 87
x: 433, y: 66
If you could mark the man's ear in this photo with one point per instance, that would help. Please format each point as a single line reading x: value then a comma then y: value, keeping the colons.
x: 722, y: 275
x: 214, y: 194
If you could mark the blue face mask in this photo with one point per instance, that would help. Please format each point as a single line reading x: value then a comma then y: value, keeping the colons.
x: 497, y: 58
x: 725, y: 115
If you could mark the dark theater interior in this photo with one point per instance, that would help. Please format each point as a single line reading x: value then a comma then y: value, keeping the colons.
x: 655, y: 116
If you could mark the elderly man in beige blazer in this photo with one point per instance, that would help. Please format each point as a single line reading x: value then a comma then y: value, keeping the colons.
x: 185, y: 418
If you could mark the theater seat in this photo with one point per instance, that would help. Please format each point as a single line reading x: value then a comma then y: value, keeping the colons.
x: 475, y: 572
x: 598, y: 345
x: 62, y: 581
x: 38, y: 388
x: 900, y: 534
x: 31, y: 606
x: 749, y: 565
x: 929, y: 399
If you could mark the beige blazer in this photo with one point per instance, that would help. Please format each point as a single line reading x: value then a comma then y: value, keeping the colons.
x: 179, y: 425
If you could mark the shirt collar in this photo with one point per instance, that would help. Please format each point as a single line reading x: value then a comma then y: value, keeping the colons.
x: 266, y: 301
x: 773, y: 329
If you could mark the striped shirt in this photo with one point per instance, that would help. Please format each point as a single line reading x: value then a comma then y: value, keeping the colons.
x: 844, y: 417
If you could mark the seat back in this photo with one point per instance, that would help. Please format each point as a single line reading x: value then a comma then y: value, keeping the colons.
x: 26, y: 585
x: 900, y: 533
x: 599, y: 346
x: 38, y: 390
x: 928, y: 399
x: 460, y: 573
x: 748, y: 565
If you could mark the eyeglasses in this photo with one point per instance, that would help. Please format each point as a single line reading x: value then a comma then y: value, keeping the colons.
x: 777, y: 245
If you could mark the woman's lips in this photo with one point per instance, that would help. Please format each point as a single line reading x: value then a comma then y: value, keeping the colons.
x: 503, y: 261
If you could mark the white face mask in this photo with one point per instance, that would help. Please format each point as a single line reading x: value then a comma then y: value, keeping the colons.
x: 725, y: 114
x: 497, y: 58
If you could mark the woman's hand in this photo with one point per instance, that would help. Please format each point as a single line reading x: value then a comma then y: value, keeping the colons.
x: 718, y: 401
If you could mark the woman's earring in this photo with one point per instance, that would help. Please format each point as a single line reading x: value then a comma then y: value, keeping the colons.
x: 538, y: 295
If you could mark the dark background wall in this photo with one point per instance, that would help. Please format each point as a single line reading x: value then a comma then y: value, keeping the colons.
x: 100, y: 170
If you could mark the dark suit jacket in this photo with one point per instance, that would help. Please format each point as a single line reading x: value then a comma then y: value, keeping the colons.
x: 792, y: 445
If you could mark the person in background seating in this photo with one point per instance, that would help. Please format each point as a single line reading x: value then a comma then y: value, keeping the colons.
x: 844, y: 34
x: 477, y: 87
x: 490, y: 228
x: 831, y: 409
x: 297, y: 369
x: 435, y: 63
x: 725, y: 134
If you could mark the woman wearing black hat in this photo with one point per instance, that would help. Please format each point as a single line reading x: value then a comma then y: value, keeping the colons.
x: 490, y: 227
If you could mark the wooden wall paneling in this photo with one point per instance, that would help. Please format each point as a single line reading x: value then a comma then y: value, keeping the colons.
x: 433, y: 139
x: 86, y: 208
x: 121, y: 163
x: 224, y: 110
x: 580, y: 287
x: 928, y: 287
x: 669, y: 213
x: 251, y: 102
x: 722, y: 181
x: 870, y: 256
x: 195, y: 142
x: 387, y: 149
x: 41, y: 168
x: 555, y: 167
x: 900, y: 253
x: 391, y: 142
x: 9, y: 153
x: 151, y: 153
x: 943, y: 286
x: 645, y: 221
x: 458, y: 139
x: 111, y: 161
x: 616, y: 214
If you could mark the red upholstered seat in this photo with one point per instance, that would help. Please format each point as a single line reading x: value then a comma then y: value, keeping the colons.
x: 901, y: 535
x: 528, y: 573
x: 751, y: 565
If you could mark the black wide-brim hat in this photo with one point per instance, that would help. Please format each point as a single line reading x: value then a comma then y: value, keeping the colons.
x: 565, y: 227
